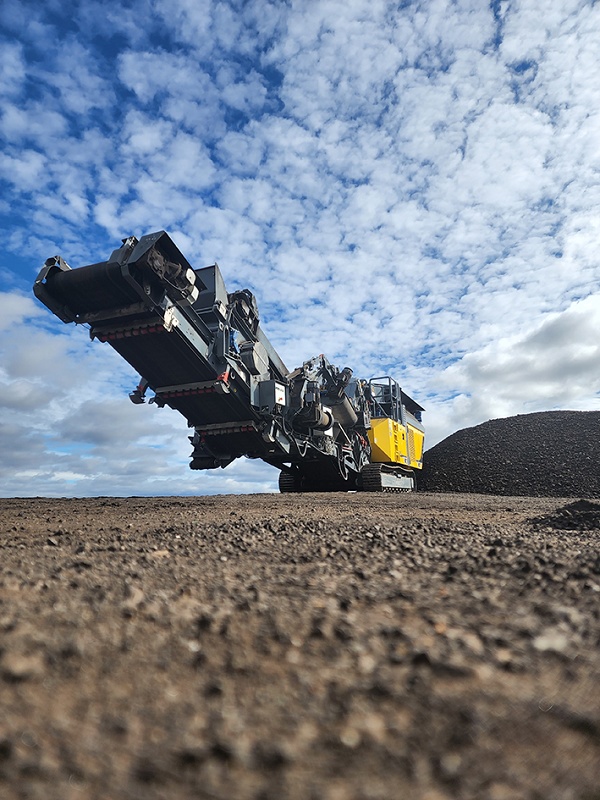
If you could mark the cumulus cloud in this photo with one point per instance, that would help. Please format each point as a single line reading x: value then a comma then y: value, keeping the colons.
x: 15, y: 308
x: 410, y: 188
x: 12, y: 68
x: 554, y: 363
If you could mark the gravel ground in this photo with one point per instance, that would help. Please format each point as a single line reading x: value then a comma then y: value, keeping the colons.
x: 311, y: 647
x: 546, y: 454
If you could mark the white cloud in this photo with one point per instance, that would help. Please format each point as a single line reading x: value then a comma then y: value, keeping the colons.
x: 554, y: 361
x: 148, y: 74
x: 80, y: 86
x: 25, y: 171
x: 189, y: 20
x: 15, y: 308
x: 549, y: 365
x: 12, y: 68
x: 21, y: 395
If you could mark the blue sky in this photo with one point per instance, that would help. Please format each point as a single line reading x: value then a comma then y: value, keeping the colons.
x: 411, y: 188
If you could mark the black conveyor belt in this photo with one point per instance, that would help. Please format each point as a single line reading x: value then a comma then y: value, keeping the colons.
x: 90, y: 289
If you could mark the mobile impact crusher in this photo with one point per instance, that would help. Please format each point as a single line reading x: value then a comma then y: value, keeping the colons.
x: 201, y: 351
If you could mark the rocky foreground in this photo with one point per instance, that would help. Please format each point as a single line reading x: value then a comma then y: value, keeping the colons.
x: 546, y: 454
x: 320, y: 647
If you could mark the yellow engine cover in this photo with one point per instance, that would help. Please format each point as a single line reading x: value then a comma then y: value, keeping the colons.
x: 393, y: 443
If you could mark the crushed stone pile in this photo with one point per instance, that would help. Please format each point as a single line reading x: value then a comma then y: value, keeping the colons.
x: 544, y: 454
x: 582, y: 515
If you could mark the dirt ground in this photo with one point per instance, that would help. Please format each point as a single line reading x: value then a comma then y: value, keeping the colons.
x: 310, y: 647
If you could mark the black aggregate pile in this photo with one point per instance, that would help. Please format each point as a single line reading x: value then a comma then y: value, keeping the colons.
x: 545, y: 454
x: 582, y: 515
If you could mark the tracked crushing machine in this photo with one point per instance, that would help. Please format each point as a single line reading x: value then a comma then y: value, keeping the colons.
x: 202, y: 352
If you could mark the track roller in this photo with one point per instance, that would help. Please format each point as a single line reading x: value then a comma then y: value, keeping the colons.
x: 386, y: 478
x: 289, y: 482
x: 371, y: 478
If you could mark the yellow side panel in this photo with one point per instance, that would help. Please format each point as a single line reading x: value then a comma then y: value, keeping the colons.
x: 392, y: 443
x: 416, y: 440
x: 388, y: 442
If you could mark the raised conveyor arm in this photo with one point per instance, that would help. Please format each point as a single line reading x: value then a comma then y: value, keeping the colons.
x: 175, y: 326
